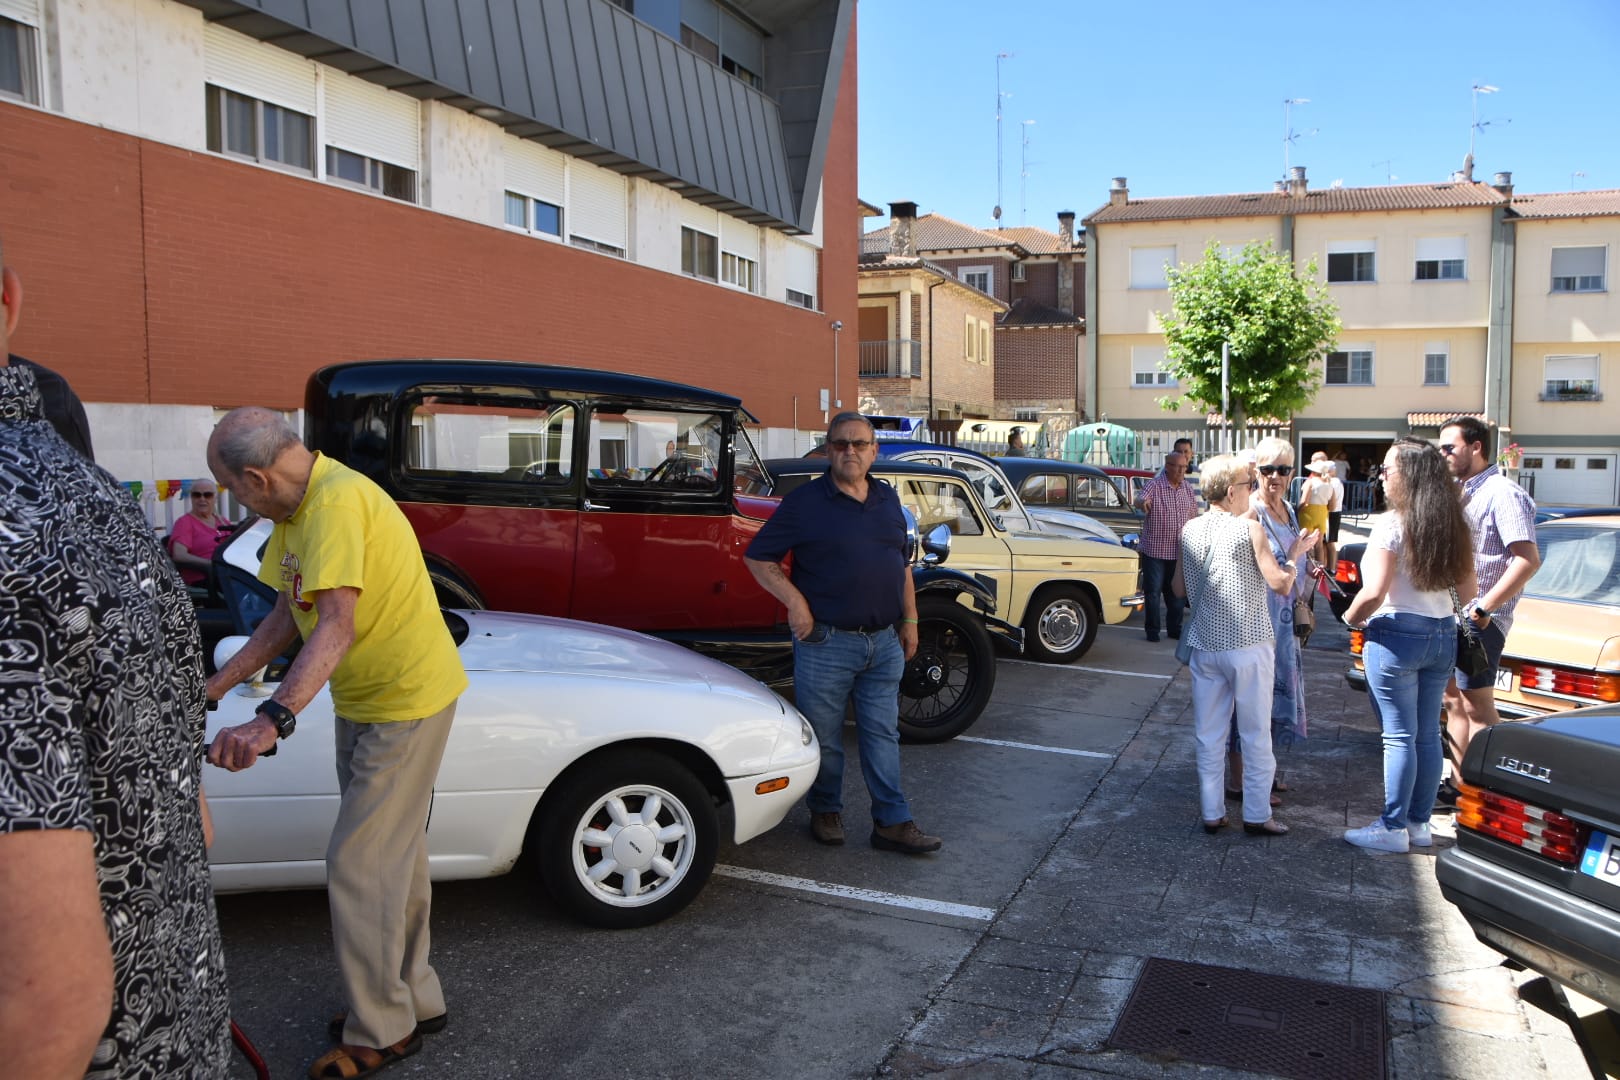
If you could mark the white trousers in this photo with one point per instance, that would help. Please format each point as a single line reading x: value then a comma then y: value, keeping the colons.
x: 1220, y: 681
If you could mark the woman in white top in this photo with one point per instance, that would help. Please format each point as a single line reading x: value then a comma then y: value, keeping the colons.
x: 1226, y: 565
x: 1417, y: 555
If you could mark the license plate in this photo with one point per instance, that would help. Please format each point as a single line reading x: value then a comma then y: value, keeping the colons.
x: 1504, y: 678
x: 1602, y: 858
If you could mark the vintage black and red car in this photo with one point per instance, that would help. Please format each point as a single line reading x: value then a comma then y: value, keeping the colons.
x: 613, y: 499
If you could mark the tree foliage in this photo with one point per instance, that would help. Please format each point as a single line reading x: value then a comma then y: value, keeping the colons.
x: 1278, y: 324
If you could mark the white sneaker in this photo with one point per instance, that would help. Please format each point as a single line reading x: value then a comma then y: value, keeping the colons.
x: 1420, y: 835
x: 1378, y: 838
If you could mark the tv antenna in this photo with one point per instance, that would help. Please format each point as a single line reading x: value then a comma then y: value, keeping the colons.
x: 1388, y: 170
x: 1573, y: 176
x: 1290, y: 136
x: 1478, y: 125
x: 1023, y: 170
x: 1000, y: 56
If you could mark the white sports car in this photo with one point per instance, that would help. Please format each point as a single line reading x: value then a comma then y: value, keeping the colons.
x: 608, y: 756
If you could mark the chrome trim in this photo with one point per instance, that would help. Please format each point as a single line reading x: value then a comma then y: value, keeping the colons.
x: 1134, y: 600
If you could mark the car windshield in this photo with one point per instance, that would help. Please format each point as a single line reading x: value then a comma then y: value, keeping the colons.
x: 1578, y: 562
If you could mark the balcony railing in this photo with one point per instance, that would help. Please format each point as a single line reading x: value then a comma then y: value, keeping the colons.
x: 1570, y: 393
x: 891, y: 359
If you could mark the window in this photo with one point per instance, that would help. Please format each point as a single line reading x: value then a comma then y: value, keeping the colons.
x: 647, y: 448
x: 1578, y: 269
x: 970, y: 339
x: 1350, y: 367
x: 596, y: 245
x: 1571, y: 378
x: 1351, y: 261
x: 937, y: 502
x: 19, y: 68
x: 1437, y: 363
x: 984, y: 343
x: 247, y: 127
x: 700, y: 254
x: 738, y: 271
x: 348, y: 167
x: 1147, y: 367
x: 1440, y: 258
x: 721, y: 37
x: 533, y: 215
x: 1026, y: 414
x: 481, y: 440
x: 804, y: 300
x: 1148, y: 265
x: 979, y: 277
x: 1019, y: 272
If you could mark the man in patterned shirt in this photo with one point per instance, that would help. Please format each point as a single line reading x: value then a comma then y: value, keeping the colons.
x: 111, y: 963
x: 1168, y: 502
x: 1503, y: 519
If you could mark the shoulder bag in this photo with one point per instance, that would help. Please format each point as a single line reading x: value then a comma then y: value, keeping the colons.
x: 1184, y: 643
x: 1472, y: 659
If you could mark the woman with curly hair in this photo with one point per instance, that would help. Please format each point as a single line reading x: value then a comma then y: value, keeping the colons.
x: 1419, y: 555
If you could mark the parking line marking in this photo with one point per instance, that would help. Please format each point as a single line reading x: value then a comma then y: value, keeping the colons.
x: 1031, y: 746
x: 1095, y: 670
x: 849, y: 892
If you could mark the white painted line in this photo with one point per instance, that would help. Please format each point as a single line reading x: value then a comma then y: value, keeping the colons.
x: 1031, y: 746
x: 848, y: 892
x: 1093, y: 670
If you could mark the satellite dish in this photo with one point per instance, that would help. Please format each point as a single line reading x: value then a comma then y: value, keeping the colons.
x: 996, y: 213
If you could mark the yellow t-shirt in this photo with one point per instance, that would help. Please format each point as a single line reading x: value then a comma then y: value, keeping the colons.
x: 347, y: 532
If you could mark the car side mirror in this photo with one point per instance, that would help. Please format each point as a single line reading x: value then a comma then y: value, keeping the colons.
x: 936, y: 545
x: 1131, y: 540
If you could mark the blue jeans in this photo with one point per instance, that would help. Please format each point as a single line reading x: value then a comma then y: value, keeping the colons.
x: 1156, y: 577
x: 829, y: 667
x: 1409, y: 659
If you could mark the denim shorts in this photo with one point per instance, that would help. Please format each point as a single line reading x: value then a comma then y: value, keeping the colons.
x: 1493, y: 639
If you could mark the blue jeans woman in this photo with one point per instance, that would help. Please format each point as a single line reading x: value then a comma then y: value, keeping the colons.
x: 1408, y: 659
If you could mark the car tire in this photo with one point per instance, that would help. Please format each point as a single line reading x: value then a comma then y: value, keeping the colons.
x: 604, y: 801
x: 452, y: 592
x: 947, y: 684
x: 1061, y: 624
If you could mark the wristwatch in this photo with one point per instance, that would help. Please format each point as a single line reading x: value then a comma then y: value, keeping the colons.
x: 285, y: 720
x: 1476, y: 609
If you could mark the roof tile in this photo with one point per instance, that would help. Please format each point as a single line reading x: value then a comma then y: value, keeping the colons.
x: 1322, y: 201
x: 1563, y: 204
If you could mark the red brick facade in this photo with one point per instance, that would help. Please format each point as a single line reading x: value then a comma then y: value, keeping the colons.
x: 1038, y: 367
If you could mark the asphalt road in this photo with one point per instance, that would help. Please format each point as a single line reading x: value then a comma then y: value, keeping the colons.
x: 796, y: 960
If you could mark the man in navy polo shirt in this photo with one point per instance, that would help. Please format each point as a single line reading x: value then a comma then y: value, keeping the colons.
x: 853, y: 615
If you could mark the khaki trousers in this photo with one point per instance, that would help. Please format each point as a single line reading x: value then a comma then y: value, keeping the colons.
x: 377, y: 875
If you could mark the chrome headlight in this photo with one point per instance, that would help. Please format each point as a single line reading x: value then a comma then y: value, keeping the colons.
x: 807, y: 734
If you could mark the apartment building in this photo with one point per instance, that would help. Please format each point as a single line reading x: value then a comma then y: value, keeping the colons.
x: 209, y: 199
x: 1456, y: 297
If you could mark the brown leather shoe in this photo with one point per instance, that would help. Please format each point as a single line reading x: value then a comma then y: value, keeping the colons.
x: 827, y: 828
x: 904, y: 837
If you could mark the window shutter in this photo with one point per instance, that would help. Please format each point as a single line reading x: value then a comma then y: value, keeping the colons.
x: 1441, y: 247
x: 238, y: 62
x: 534, y: 170
x: 702, y: 218
x: 1572, y: 368
x: 800, y: 270
x: 597, y: 205
x: 1349, y: 247
x: 24, y: 11
x: 1577, y: 262
x: 739, y: 237
x: 370, y: 120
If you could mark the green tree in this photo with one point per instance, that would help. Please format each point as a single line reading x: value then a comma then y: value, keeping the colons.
x: 1277, y: 323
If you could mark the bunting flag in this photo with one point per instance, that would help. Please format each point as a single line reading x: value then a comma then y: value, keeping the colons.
x: 163, y: 490
x: 134, y: 487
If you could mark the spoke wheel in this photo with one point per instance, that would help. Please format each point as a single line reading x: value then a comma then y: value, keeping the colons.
x: 1061, y: 625
x: 947, y: 684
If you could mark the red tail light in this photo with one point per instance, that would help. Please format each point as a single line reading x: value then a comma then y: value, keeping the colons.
x: 1346, y: 573
x: 1557, y: 680
x: 1544, y: 832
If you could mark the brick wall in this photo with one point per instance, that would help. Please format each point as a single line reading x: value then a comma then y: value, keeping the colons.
x: 1039, y: 363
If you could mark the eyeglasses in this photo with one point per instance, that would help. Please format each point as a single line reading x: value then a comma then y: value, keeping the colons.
x: 846, y: 445
x: 1383, y: 471
x: 1241, y: 483
x: 1274, y: 470
x: 202, y: 494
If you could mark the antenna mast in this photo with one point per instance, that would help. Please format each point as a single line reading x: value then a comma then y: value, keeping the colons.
x: 1023, y: 171
x: 1289, y: 134
x: 1000, y: 56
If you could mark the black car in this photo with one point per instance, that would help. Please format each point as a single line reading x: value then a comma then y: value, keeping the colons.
x: 1536, y: 868
x: 1045, y: 483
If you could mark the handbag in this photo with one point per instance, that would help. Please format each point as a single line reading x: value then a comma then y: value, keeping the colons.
x: 1184, y: 643
x: 1472, y: 659
x: 1304, y: 618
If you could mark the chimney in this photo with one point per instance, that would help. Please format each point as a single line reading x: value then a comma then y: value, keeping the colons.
x: 1065, y: 261
x: 901, y: 240
x: 1118, y: 192
x: 1280, y: 186
x: 1503, y: 182
x: 1296, y: 182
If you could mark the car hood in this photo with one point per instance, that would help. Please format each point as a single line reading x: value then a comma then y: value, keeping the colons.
x: 1063, y: 546
x: 1565, y: 633
x: 1074, y: 523
x: 1567, y: 759
x: 505, y: 641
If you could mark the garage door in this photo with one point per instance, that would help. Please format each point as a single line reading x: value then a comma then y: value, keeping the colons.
x: 1571, y: 478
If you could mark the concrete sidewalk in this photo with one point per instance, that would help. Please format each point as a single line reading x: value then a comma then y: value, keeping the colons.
x: 1133, y: 875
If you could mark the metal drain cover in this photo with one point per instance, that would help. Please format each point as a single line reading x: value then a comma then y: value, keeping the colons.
x: 1275, y: 1024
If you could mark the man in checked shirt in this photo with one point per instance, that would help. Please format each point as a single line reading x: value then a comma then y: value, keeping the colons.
x: 1502, y: 517
x: 1168, y: 501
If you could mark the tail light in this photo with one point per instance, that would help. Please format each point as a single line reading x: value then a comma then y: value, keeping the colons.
x: 1347, y: 573
x: 1544, y: 832
x: 1557, y: 680
x: 1358, y: 639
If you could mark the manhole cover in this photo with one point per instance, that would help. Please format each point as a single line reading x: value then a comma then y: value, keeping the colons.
x: 1273, y: 1024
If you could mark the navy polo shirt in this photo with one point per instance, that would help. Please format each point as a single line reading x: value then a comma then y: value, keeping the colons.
x: 849, y: 558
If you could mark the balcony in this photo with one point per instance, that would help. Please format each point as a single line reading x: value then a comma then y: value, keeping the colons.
x: 891, y: 359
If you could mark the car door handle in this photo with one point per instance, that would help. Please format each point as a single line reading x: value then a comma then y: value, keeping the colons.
x: 595, y: 506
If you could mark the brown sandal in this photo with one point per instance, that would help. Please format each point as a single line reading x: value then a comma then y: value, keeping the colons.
x: 431, y: 1026
x: 352, y: 1062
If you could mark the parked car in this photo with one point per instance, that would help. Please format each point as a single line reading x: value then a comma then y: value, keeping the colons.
x: 610, y: 758
x: 1552, y: 513
x: 1045, y: 484
x: 1536, y: 867
x: 557, y: 491
x: 1129, y: 481
x: 1058, y: 588
x: 996, y: 490
x: 1347, y: 576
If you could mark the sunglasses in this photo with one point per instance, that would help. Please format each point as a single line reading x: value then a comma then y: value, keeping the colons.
x: 202, y: 494
x: 1448, y: 450
x: 1274, y: 470
x: 850, y: 444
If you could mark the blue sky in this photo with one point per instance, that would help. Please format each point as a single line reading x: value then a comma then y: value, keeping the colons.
x: 1185, y: 97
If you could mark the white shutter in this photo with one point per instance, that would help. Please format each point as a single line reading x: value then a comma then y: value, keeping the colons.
x: 535, y: 170
x: 1349, y: 247
x: 1577, y: 262
x: 1572, y: 369
x: 596, y: 205
x: 248, y: 66
x: 1147, y: 266
x: 739, y: 238
x: 25, y: 11
x: 799, y: 270
x: 702, y: 218
x: 1441, y: 247
x: 370, y: 120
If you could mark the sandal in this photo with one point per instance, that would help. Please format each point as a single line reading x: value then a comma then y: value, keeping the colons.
x: 431, y: 1026
x: 1275, y: 800
x: 1213, y: 827
x: 352, y: 1062
x: 1268, y: 827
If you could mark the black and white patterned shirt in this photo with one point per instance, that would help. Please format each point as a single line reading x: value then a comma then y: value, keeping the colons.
x: 101, y: 727
x: 1224, y: 580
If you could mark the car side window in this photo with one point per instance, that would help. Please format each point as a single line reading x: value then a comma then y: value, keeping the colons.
x: 1044, y: 489
x: 934, y: 503
x: 1095, y: 493
x: 453, y: 438
x: 654, y: 448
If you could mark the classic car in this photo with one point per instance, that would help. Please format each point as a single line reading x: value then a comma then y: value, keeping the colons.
x: 1043, y: 484
x: 1536, y: 867
x: 1129, y: 481
x: 1058, y: 588
x: 610, y: 758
